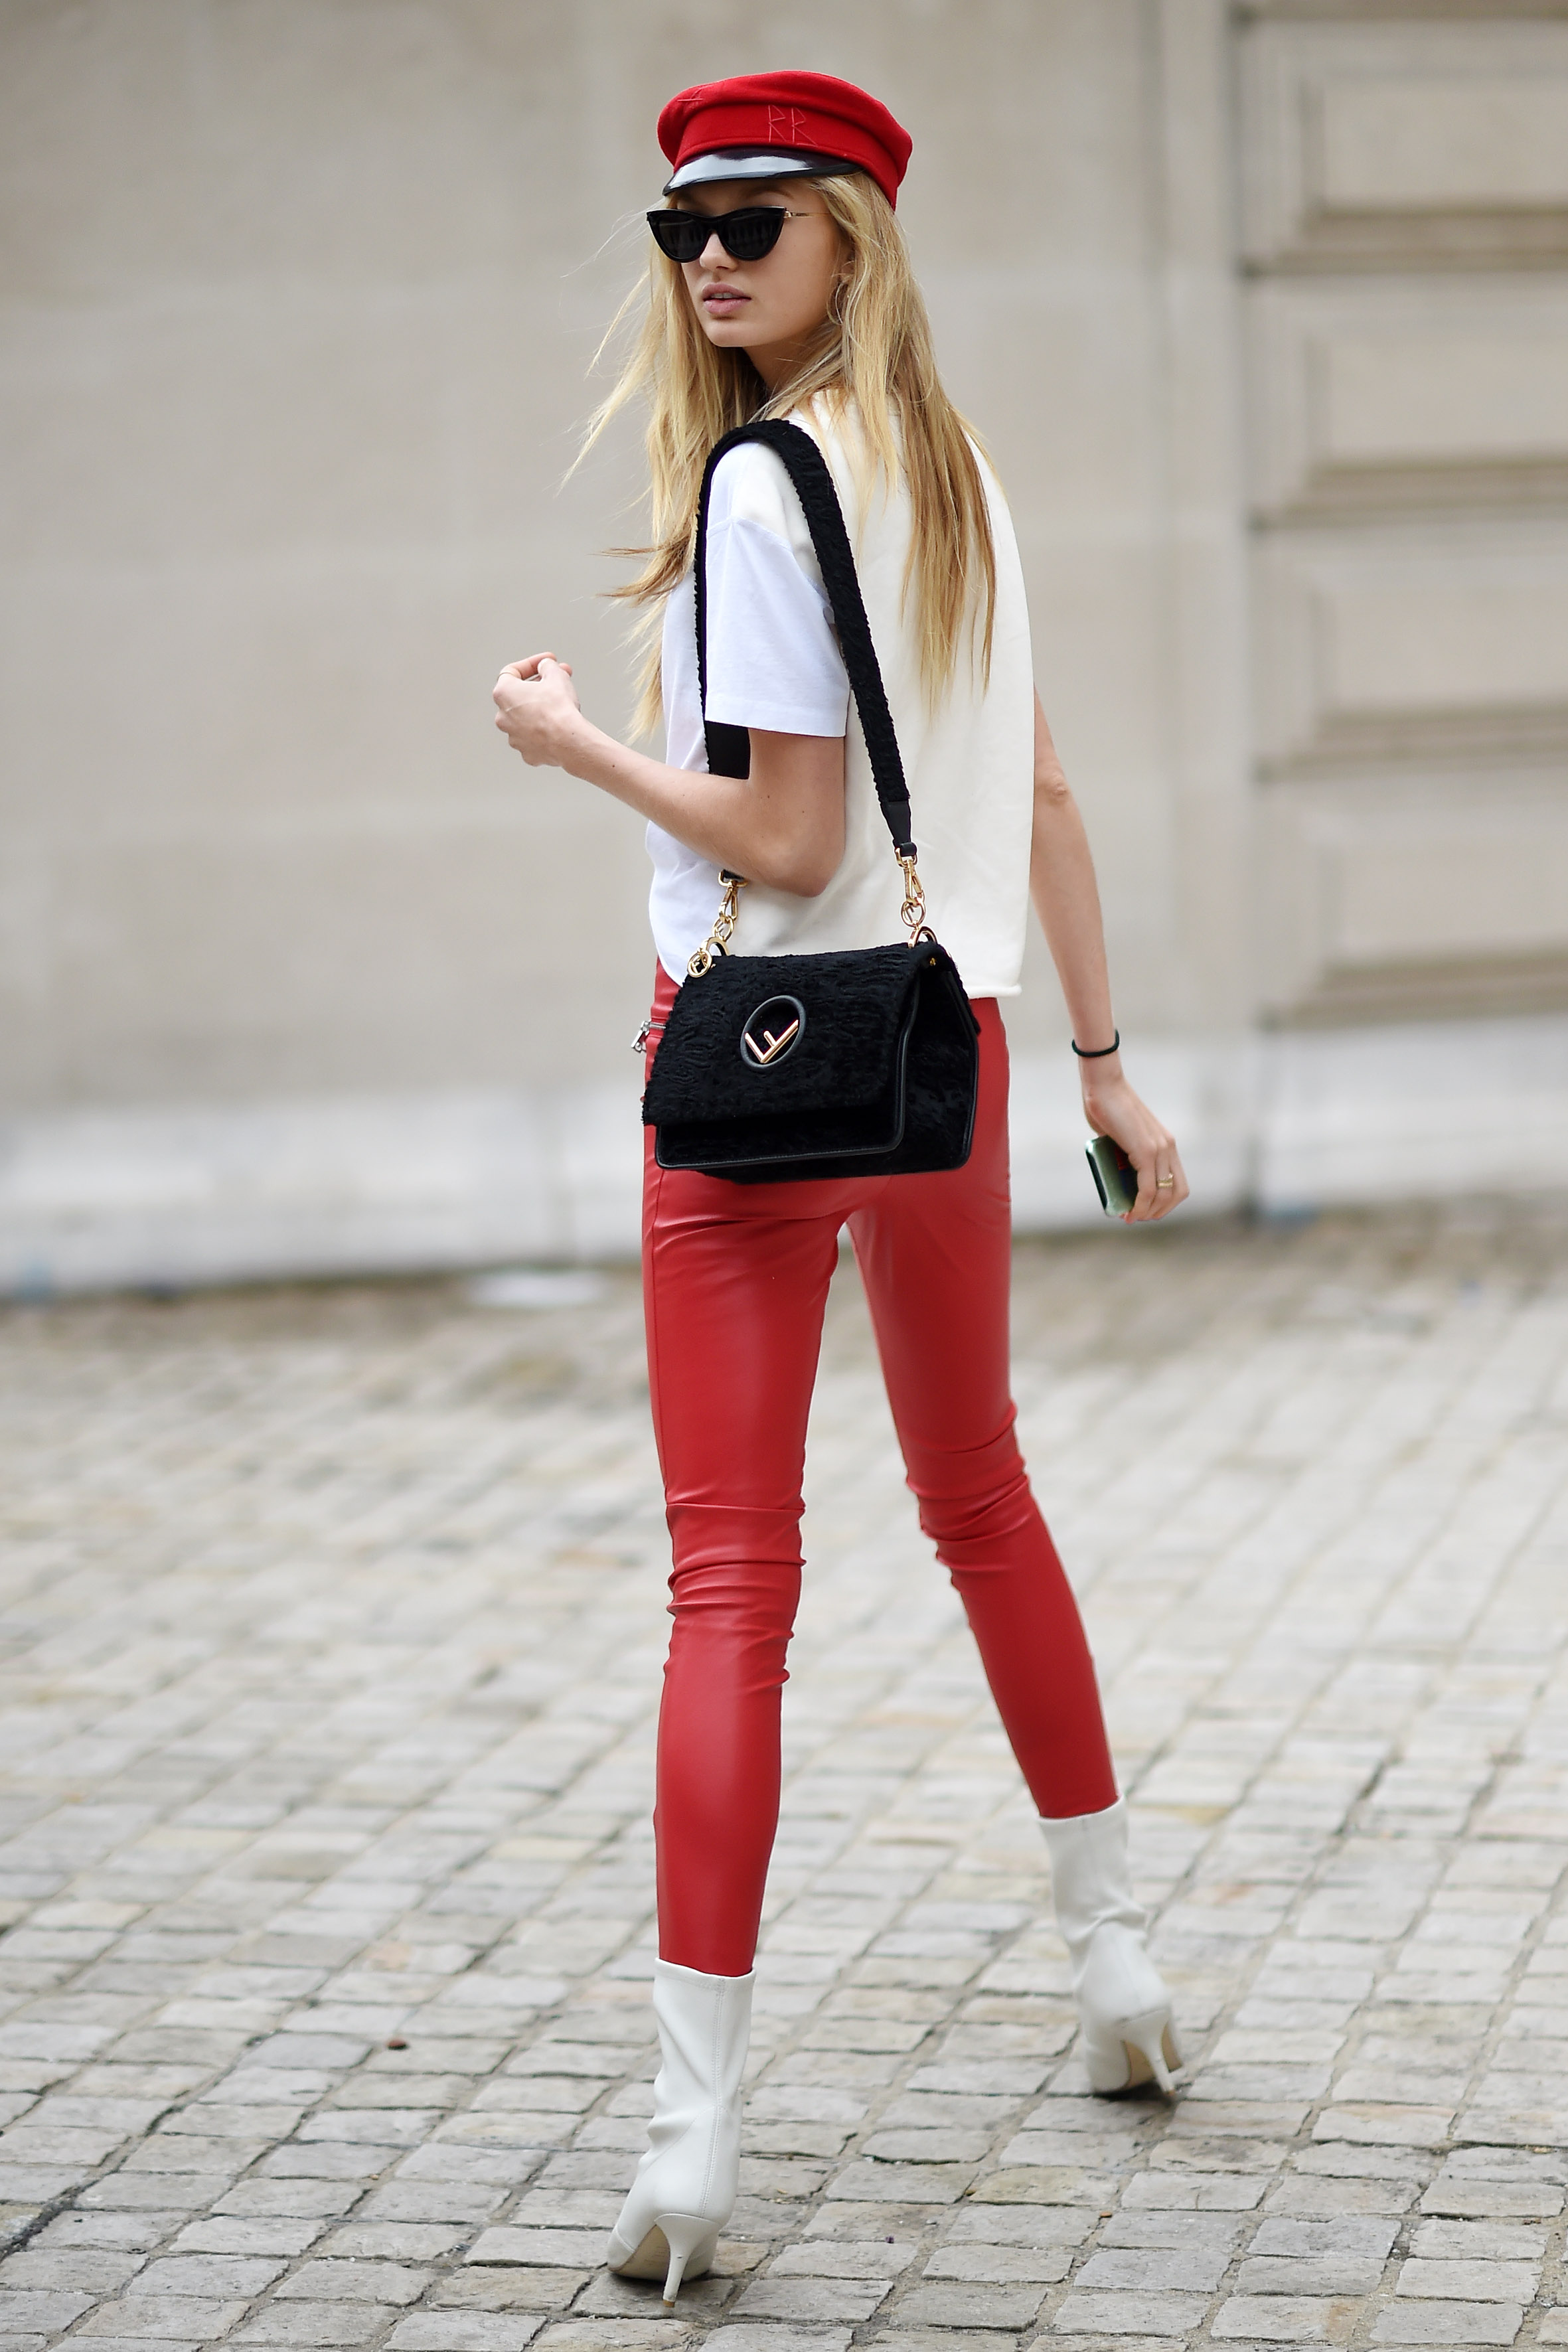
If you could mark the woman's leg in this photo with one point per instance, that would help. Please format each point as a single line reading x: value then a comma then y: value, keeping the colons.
x: 735, y: 1280
x: 935, y: 1255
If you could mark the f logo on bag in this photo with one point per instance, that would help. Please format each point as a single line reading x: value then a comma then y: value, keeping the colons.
x: 773, y: 1033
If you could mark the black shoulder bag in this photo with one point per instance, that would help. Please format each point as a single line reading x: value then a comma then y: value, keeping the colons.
x: 856, y: 1062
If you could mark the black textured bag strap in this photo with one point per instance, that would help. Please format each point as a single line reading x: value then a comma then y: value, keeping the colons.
x: 729, y: 748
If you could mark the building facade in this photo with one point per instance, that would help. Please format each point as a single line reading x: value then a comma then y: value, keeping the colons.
x: 1264, y: 315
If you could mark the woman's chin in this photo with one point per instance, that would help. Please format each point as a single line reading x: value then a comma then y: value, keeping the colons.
x: 730, y: 330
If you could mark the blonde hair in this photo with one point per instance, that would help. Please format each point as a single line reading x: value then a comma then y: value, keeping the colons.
x: 873, y: 353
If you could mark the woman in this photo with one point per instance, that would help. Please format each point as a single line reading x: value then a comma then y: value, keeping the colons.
x: 780, y: 286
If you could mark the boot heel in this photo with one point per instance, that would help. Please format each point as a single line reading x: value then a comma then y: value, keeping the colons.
x: 1134, y: 2051
x: 1152, y: 2052
x: 685, y: 2235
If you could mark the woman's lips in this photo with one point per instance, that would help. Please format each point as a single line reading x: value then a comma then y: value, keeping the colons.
x: 722, y: 298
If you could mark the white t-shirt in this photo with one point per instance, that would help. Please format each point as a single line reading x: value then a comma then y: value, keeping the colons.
x: 774, y: 663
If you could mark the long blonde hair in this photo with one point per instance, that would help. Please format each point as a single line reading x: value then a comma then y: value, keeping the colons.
x: 875, y: 353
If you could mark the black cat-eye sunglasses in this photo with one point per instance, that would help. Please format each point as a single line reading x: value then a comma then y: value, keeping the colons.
x: 745, y: 235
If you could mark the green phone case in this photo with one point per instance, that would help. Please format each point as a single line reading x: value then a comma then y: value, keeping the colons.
x: 1115, y: 1178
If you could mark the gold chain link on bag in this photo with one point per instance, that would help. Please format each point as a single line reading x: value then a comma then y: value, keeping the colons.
x: 912, y: 914
x: 717, y: 943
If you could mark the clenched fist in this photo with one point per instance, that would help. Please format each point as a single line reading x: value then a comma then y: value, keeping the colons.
x: 537, y: 708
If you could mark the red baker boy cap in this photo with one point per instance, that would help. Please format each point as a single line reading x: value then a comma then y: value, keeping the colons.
x: 772, y: 125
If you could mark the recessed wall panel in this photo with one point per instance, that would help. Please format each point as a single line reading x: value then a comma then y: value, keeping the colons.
x: 1383, y: 896
x: 1408, y: 644
x: 1360, y: 142
x: 1369, y: 397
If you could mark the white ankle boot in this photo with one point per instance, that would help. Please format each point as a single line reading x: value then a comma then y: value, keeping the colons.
x: 684, y: 2191
x: 1122, y: 2003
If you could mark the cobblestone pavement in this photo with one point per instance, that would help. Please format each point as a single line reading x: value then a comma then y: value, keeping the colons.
x: 332, y: 1624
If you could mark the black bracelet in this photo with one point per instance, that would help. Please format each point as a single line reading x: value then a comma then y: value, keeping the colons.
x: 1100, y: 1052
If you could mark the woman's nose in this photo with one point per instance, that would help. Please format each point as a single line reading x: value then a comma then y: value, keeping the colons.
x: 713, y: 255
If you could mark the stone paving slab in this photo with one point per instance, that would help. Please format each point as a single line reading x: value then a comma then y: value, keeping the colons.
x: 330, y: 1632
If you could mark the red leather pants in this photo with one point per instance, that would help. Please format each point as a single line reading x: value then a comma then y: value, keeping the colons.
x: 735, y: 1281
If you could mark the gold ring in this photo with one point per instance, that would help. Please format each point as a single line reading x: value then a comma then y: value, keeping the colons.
x: 1164, y: 1180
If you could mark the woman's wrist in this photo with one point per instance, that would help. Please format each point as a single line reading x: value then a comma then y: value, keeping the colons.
x: 1100, y: 1080
x: 586, y: 751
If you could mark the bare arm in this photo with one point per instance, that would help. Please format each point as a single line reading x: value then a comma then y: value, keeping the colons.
x: 783, y: 825
x: 1067, y: 900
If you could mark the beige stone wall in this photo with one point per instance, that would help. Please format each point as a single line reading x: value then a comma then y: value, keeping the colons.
x: 1263, y: 312
x: 297, y: 298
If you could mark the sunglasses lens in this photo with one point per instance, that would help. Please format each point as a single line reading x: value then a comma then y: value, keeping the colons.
x: 681, y: 236
x: 747, y: 235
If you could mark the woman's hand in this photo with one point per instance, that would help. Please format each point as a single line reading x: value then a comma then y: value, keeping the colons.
x: 1113, y: 1108
x: 536, y: 710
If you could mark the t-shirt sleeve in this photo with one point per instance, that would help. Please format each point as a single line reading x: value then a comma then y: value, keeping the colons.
x: 773, y: 656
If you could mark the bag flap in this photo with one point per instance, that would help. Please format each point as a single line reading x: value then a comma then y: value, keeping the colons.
x: 728, y: 1050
